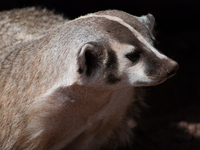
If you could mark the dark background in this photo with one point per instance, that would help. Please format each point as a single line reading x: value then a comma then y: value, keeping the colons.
x: 172, y: 120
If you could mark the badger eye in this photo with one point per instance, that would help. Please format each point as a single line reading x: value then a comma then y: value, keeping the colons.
x: 133, y: 56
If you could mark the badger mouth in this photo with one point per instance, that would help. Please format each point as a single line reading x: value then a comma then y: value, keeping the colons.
x: 155, y: 80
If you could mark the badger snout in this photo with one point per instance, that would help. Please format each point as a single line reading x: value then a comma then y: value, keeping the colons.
x: 169, y: 69
x: 172, y: 69
x: 160, y: 70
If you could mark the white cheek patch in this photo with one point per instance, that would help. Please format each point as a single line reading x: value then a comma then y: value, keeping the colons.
x: 133, y: 74
x: 136, y: 75
x: 135, y: 32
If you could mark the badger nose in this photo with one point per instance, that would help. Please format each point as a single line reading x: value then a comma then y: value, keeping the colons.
x: 172, y: 70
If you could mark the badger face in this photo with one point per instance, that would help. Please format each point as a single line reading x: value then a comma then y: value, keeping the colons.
x: 124, y: 53
x: 140, y: 66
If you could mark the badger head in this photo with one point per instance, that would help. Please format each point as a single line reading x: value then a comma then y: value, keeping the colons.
x: 115, y: 48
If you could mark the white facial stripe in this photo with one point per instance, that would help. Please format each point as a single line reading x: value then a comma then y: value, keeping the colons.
x: 135, y: 32
x: 118, y: 47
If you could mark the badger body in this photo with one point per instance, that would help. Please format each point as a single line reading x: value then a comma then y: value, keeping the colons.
x: 72, y: 84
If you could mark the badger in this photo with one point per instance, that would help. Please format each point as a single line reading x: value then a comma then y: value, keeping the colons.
x: 70, y: 84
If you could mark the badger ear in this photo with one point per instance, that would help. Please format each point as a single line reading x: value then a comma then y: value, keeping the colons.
x: 148, y: 21
x: 90, y: 59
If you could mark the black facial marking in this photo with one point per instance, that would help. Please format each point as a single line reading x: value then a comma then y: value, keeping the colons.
x: 111, y: 78
x: 111, y: 68
x: 150, y: 70
x: 112, y: 60
x: 80, y: 70
x: 152, y: 64
x: 107, y: 30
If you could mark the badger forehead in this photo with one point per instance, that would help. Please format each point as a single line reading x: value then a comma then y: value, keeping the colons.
x: 134, y: 21
x: 118, y: 28
x: 111, y: 26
